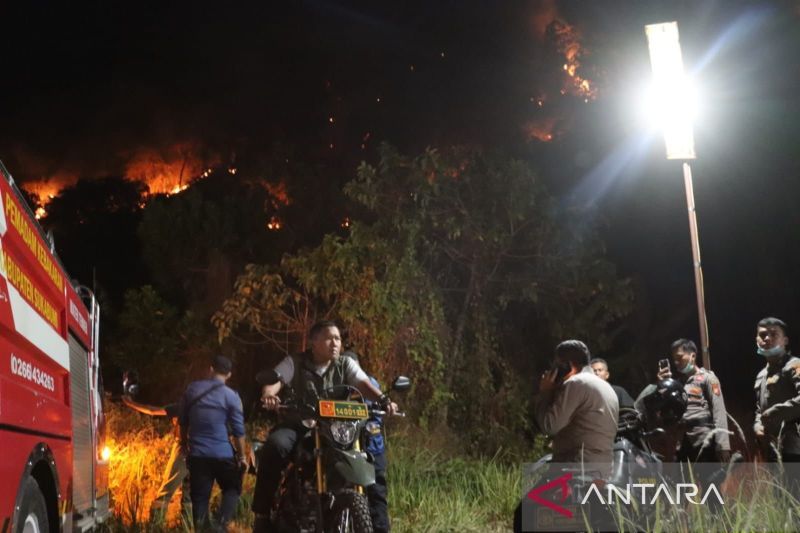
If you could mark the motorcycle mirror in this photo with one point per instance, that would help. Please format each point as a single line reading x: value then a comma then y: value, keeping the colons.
x: 130, y: 383
x: 401, y: 384
x: 268, y: 377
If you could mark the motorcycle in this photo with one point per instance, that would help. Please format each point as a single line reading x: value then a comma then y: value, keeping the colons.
x: 633, y: 462
x: 322, y: 488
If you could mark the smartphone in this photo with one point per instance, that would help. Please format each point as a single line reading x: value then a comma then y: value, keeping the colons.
x: 563, y: 370
x: 663, y: 364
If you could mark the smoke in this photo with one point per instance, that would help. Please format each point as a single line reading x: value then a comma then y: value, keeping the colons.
x: 547, y: 12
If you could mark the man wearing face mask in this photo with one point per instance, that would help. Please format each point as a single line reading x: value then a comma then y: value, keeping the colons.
x: 777, y: 390
x: 704, y: 425
x: 578, y: 409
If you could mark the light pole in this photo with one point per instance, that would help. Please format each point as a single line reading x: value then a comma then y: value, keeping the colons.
x: 674, y: 99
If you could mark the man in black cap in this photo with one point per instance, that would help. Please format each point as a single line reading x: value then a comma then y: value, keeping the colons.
x: 208, y: 409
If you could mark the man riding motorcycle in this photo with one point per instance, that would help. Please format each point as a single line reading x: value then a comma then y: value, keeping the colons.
x: 319, y: 368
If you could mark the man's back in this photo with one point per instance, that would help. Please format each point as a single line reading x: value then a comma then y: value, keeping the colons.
x: 208, y: 408
x: 582, y: 417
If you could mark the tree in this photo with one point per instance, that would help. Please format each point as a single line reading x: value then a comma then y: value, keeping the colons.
x: 374, y: 287
x: 94, y: 227
x: 489, y: 235
x: 458, y: 240
x: 162, y: 344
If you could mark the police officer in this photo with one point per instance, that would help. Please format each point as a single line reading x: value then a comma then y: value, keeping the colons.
x: 704, y: 425
x: 777, y: 389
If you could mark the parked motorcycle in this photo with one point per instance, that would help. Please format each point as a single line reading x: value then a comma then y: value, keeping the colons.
x: 322, y: 489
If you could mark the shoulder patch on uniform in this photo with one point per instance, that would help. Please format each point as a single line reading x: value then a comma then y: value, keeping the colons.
x: 715, y: 389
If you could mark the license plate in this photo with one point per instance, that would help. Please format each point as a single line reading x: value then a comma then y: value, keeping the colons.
x: 331, y: 409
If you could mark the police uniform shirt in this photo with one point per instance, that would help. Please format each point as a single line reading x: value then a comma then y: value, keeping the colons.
x: 777, y: 389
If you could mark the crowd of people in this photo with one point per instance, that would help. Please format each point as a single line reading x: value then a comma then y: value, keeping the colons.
x: 576, y: 406
x: 579, y: 409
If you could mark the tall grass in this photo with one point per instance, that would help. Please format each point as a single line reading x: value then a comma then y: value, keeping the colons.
x: 433, y: 487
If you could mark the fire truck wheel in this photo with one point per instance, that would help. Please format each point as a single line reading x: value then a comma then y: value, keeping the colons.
x: 32, y: 510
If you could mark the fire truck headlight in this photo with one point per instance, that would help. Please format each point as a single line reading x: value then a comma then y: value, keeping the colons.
x: 105, y: 455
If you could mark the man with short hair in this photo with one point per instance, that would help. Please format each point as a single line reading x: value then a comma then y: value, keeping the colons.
x: 704, y: 425
x: 600, y: 369
x: 208, y: 409
x: 578, y: 409
x: 777, y: 389
x: 320, y: 367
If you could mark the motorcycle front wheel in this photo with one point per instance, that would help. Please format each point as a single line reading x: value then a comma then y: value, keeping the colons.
x: 350, y: 513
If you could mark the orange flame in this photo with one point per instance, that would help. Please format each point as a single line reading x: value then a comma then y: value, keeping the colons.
x: 169, y: 171
x: 48, y: 188
x: 567, y: 39
x: 542, y: 129
x: 279, y: 194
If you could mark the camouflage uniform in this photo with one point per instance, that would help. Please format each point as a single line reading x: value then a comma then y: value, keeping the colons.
x: 705, y: 420
x: 777, y: 389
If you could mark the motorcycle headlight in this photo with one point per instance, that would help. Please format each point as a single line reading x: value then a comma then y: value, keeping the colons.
x: 343, y: 432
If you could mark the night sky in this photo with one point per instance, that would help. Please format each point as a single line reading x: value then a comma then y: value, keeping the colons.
x: 85, y: 88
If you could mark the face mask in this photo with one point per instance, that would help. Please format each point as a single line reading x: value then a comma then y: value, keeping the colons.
x: 687, y: 369
x: 772, y: 352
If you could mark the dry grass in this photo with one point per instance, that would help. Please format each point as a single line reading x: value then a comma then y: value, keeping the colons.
x: 140, y: 447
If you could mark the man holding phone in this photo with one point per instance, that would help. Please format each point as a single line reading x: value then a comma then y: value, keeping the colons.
x: 578, y: 409
x: 705, y: 423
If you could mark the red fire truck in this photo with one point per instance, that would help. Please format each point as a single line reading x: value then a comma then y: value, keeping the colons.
x: 53, y: 466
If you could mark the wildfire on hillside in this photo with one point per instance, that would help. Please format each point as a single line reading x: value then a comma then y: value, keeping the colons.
x: 567, y: 40
x: 48, y: 188
x: 167, y: 171
x: 550, y: 116
x: 542, y: 130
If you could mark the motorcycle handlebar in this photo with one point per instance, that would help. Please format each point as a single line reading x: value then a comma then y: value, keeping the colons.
x: 379, y: 412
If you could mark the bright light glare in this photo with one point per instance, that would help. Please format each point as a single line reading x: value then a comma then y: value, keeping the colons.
x: 105, y: 455
x: 672, y: 102
x: 672, y: 107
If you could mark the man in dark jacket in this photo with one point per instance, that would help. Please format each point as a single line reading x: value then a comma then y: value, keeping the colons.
x: 777, y: 389
x: 208, y: 409
x: 600, y: 369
